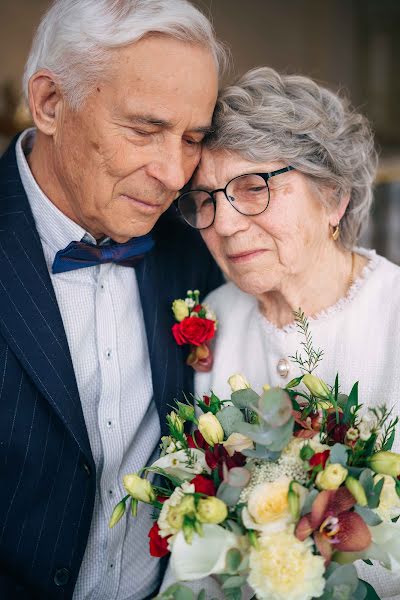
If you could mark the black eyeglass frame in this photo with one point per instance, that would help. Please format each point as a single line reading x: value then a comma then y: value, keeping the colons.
x: 265, y: 176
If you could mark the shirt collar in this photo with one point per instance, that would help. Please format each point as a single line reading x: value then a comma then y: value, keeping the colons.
x: 55, y: 229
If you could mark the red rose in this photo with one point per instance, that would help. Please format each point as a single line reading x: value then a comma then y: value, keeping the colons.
x: 197, y: 308
x: 204, y: 485
x: 319, y: 458
x: 193, y: 330
x: 158, y: 545
x: 198, y: 438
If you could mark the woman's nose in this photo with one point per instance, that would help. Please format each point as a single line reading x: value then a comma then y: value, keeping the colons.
x: 227, y: 219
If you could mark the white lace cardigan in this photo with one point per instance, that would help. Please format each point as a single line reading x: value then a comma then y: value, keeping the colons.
x: 360, y: 336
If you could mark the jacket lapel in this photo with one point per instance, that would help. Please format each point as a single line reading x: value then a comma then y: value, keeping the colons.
x: 30, y: 319
x: 157, y: 290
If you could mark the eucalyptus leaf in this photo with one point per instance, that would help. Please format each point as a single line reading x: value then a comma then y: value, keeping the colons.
x: 229, y: 418
x: 361, y: 591
x: 177, y: 591
x: 355, y: 471
x: 261, y: 452
x: 233, y: 594
x: 367, y: 481
x: 370, y: 592
x: 341, y: 584
x: 237, y: 581
x: 233, y: 560
x: 274, y: 407
x: 338, y: 455
x: 229, y: 494
x: 244, y: 398
x: 275, y: 439
x: 309, y: 502
x: 238, y: 477
x: 368, y: 515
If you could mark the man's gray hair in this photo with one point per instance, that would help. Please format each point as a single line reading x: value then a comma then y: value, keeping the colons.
x: 266, y: 117
x: 74, y: 36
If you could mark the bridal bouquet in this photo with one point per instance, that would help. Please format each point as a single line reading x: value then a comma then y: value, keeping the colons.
x: 280, y: 492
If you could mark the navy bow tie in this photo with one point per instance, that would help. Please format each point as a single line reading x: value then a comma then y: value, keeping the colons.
x: 78, y: 255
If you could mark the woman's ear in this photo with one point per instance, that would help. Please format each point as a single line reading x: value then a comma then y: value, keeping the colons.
x: 45, y: 101
x: 337, y: 213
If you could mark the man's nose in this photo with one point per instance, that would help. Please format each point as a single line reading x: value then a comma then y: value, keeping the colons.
x: 227, y: 219
x: 170, y: 167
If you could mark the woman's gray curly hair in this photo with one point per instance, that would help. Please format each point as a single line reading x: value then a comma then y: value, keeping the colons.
x: 266, y: 116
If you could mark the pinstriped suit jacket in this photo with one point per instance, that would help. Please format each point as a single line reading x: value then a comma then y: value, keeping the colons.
x: 47, y: 472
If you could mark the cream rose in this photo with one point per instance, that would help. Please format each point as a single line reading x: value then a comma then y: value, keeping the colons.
x: 283, y: 568
x: 268, y: 506
x: 389, y: 502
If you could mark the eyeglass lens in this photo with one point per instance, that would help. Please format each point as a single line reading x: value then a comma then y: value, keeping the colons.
x: 248, y: 194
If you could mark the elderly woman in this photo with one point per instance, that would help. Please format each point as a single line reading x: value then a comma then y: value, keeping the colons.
x: 280, y: 197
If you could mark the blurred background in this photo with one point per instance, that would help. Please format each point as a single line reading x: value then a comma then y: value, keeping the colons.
x: 353, y: 45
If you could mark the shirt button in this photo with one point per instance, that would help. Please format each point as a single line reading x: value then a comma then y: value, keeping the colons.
x: 108, y: 353
x: 109, y: 424
x: 61, y: 577
x: 283, y: 367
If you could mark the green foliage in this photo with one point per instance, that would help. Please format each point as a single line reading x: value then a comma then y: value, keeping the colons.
x: 368, y: 515
x: 306, y: 452
x: 229, y: 494
x: 372, y: 490
x: 233, y: 560
x: 274, y: 407
x: 351, y: 404
x: 339, y: 455
x: 308, y: 360
x: 177, y: 591
x: 342, y: 583
x: 230, y: 417
x: 244, y: 398
x: 274, y: 439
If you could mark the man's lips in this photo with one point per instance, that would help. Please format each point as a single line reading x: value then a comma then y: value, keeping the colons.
x: 246, y: 255
x: 144, y: 205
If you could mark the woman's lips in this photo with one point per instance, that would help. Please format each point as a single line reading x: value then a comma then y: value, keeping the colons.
x: 143, y: 205
x: 241, y: 257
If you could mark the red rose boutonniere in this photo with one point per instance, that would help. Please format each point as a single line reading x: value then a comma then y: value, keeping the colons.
x: 196, y: 326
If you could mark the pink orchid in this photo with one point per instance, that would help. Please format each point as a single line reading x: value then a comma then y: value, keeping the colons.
x: 333, y: 525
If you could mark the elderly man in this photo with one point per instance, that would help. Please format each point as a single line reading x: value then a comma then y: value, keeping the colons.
x: 122, y: 94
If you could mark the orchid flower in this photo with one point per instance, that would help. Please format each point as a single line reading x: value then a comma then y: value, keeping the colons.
x: 333, y: 525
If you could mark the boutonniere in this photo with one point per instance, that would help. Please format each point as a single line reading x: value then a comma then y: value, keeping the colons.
x: 196, y: 327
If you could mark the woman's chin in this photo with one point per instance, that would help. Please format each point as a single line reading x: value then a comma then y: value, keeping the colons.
x: 253, y: 283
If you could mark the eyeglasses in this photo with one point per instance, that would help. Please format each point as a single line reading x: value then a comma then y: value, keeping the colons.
x: 248, y: 194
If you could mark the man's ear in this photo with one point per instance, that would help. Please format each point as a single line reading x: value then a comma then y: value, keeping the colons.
x: 45, y: 101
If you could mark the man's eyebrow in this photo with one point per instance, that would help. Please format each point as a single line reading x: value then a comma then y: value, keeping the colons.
x: 152, y: 120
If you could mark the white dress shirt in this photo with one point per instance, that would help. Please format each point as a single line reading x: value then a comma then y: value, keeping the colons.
x: 103, y: 321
